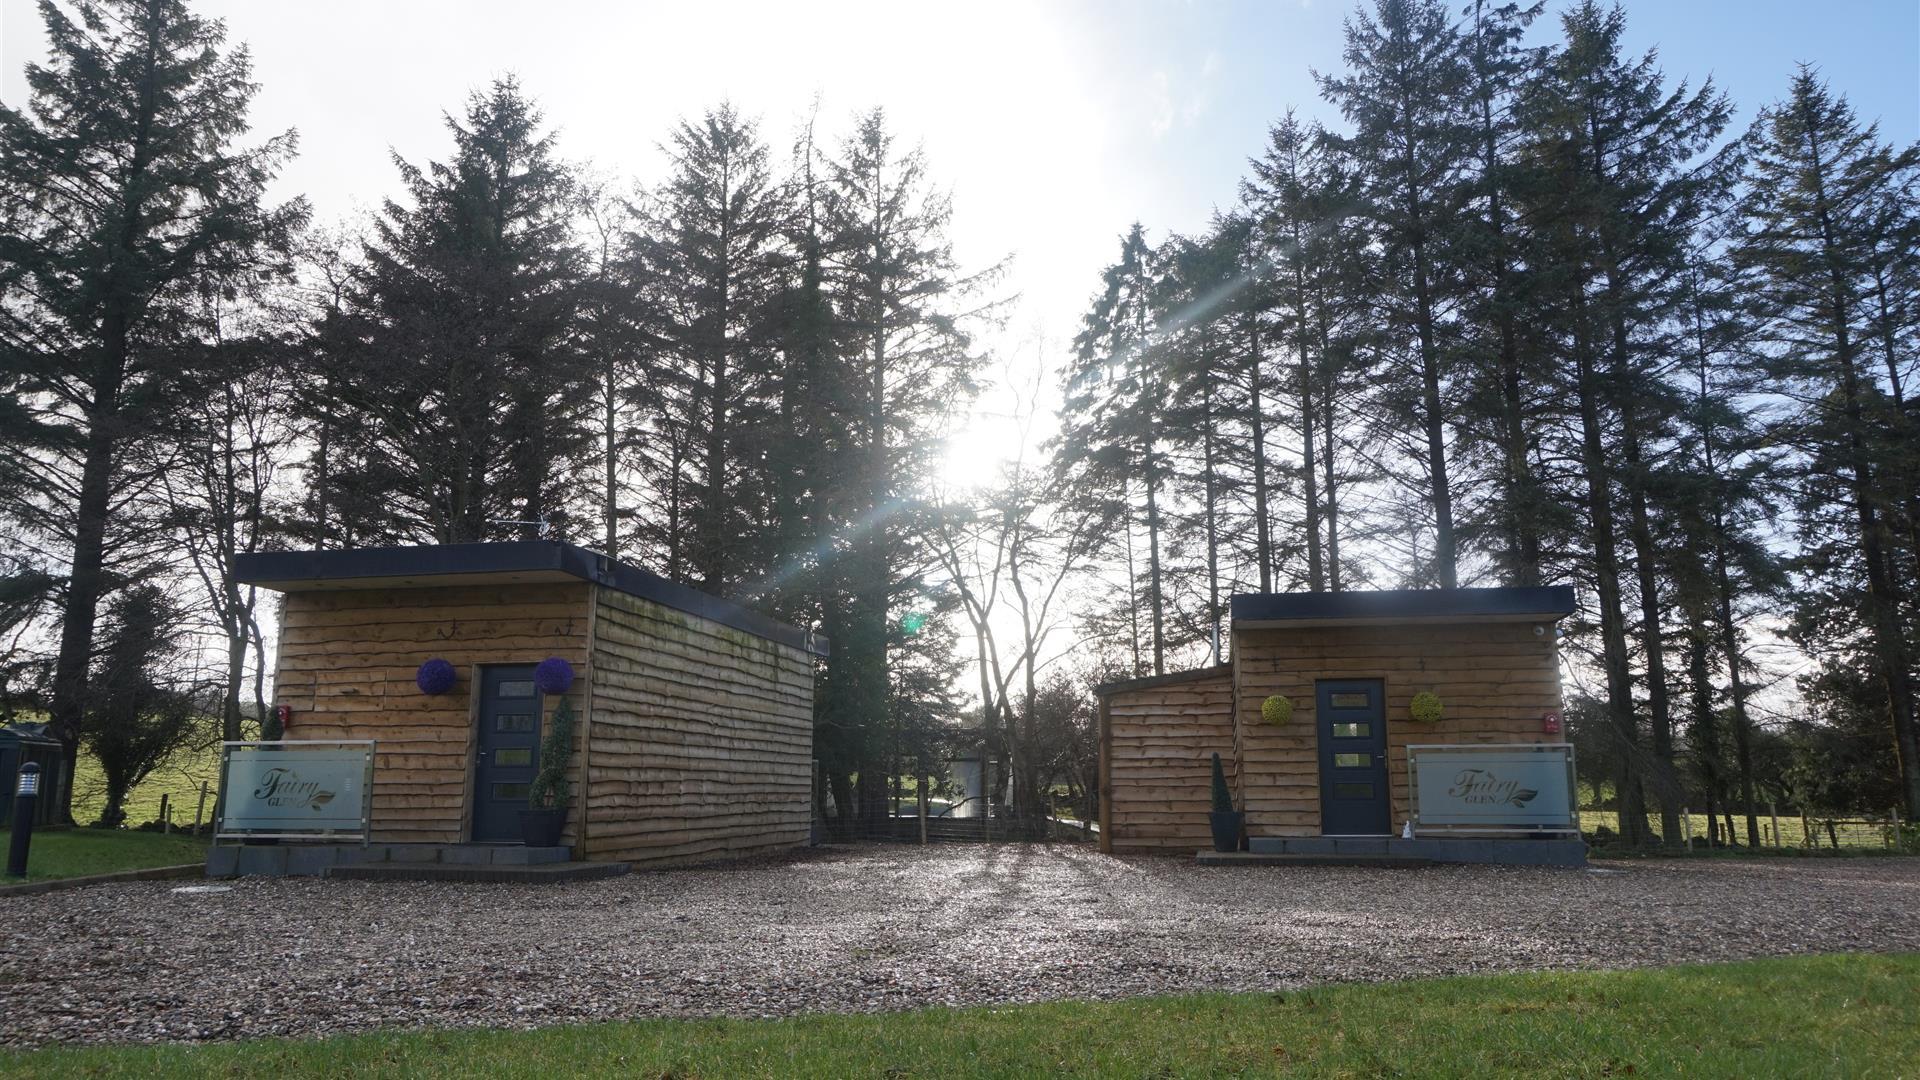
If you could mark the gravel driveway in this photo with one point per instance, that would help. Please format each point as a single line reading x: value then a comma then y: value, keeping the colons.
x: 877, y: 928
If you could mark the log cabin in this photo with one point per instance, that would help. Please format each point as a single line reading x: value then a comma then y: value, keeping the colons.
x: 693, y: 730
x: 1333, y: 709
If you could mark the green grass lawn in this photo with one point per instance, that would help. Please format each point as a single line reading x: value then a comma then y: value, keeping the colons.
x: 1841, y: 1016
x: 63, y: 853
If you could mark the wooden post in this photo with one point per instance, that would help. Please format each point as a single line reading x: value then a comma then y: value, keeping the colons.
x: 1686, y: 826
x: 1807, y: 839
x: 1893, y: 834
x: 986, y: 791
x: 200, y: 810
x: 1773, y: 811
x: 166, y: 815
x: 923, y: 808
x: 1103, y: 777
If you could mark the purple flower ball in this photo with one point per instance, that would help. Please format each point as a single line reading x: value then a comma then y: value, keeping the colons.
x: 436, y: 676
x: 553, y: 675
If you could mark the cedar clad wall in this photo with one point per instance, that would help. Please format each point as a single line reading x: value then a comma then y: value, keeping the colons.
x: 701, y: 742
x: 347, y: 663
x: 1157, y: 762
x: 1495, y: 680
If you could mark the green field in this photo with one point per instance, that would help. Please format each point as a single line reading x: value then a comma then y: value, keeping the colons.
x: 1852, y: 834
x: 64, y: 853
x: 1840, y: 1016
x: 179, y: 776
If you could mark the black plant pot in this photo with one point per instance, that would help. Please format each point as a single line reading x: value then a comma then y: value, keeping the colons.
x: 1226, y: 829
x: 541, y: 828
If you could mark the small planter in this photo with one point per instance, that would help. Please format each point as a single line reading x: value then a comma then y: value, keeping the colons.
x: 1226, y: 829
x: 542, y: 828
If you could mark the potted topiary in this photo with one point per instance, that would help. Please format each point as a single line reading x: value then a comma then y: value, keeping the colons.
x: 546, y: 814
x: 1227, y: 821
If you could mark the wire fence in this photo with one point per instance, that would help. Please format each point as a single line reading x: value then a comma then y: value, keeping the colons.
x: 1778, y: 828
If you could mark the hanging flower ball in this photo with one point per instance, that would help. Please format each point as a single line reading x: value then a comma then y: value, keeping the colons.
x: 1277, y: 709
x: 436, y: 676
x: 1426, y: 707
x: 553, y: 675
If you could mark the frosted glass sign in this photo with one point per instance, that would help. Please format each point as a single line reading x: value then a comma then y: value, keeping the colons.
x: 1492, y: 788
x: 295, y: 788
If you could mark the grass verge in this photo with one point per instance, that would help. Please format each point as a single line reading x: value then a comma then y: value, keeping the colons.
x: 1852, y: 1016
x: 65, y: 853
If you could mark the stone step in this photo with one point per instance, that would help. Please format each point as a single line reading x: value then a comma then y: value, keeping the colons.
x: 536, y: 873
x: 1256, y: 858
x: 307, y: 860
x: 1513, y: 851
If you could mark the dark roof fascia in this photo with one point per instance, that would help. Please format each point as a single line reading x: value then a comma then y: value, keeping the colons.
x: 1545, y: 601
x: 1152, y: 681
x: 275, y: 568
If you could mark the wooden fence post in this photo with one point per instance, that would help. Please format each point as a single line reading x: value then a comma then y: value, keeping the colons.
x: 923, y: 808
x: 1686, y: 826
x: 1893, y: 834
x: 1773, y: 810
x: 200, y: 810
x: 166, y: 815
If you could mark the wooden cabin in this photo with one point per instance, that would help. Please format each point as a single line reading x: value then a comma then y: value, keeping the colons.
x: 1348, y: 667
x: 693, y: 732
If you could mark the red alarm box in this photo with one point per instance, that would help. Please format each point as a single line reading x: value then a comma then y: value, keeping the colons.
x: 1550, y: 722
x: 284, y: 714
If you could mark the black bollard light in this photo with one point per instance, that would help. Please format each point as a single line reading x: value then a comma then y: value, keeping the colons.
x: 23, y: 800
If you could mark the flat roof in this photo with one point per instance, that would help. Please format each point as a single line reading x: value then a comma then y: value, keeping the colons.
x: 1169, y: 679
x: 1516, y: 604
x: 512, y: 562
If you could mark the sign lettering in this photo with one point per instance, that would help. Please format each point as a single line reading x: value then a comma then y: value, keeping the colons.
x: 1515, y: 788
x: 293, y: 788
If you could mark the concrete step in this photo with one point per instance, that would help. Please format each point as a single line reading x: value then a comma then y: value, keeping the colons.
x: 536, y: 873
x: 1255, y: 858
x: 1513, y: 851
x: 308, y: 860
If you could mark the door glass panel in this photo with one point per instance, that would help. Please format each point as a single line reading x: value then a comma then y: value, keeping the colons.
x: 1348, y: 701
x: 1341, y: 791
x: 1352, y: 731
x: 511, y: 791
x: 518, y: 688
x: 1340, y: 761
x: 516, y: 722
x: 514, y: 756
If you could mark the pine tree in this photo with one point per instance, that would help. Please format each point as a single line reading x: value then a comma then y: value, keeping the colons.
x: 1611, y: 154
x: 463, y: 366
x: 714, y: 246
x: 127, y: 194
x: 1405, y: 93
x: 1111, y: 417
x: 908, y: 366
x: 1817, y: 182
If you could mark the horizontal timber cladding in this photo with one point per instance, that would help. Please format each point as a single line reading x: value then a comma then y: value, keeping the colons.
x: 1157, y: 762
x: 701, y: 745
x: 347, y: 663
x: 1495, y: 680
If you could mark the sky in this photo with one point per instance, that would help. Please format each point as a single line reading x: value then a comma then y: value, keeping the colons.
x: 1053, y: 124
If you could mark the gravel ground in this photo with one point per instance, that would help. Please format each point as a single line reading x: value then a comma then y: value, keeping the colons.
x: 877, y: 928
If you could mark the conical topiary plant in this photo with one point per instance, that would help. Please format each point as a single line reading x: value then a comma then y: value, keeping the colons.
x: 1226, y: 821
x: 549, y: 790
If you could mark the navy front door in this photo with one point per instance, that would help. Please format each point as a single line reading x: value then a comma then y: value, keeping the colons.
x: 506, y: 752
x: 1352, y: 716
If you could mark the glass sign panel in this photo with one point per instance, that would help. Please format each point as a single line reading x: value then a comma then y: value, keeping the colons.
x: 1348, y: 701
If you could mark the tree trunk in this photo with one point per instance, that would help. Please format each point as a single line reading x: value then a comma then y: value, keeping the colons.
x: 1613, y: 634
